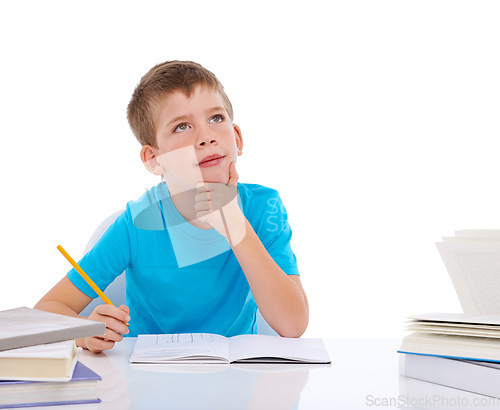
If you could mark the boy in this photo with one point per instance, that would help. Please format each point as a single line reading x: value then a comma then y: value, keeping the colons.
x: 200, y: 250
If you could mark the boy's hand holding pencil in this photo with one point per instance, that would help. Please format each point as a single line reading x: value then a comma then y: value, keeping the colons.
x: 116, y: 319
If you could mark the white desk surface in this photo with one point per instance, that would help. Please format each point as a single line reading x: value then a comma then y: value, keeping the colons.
x: 364, y: 374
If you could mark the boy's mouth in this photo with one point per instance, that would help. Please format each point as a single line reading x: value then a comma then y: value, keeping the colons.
x: 211, y: 160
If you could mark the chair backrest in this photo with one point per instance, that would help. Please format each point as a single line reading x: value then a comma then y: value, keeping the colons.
x: 116, y: 290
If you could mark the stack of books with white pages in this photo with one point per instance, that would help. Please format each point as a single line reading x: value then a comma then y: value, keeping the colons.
x: 39, y: 359
x: 455, y: 350
x: 461, y: 350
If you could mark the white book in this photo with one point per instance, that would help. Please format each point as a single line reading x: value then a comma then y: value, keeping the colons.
x: 22, y: 327
x: 51, y: 361
x: 457, y: 347
x: 211, y: 348
x: 454, y: 335
x: 472, y: 376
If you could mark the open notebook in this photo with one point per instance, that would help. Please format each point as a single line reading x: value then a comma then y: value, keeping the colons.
x: 212, y: 348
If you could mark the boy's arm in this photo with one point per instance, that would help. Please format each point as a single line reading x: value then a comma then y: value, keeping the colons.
x: 280, y: 297
x: 66, y: 299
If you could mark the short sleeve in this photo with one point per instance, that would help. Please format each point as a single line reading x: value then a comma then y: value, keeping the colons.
x: 278, y: 234
x: 109, y: 257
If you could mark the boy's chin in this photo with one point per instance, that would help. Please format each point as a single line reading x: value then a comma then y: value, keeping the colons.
x: 215, y: 177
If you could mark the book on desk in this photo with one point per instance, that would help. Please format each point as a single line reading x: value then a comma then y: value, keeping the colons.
x: 196, y: 348
x: 22, y: 327
x: 472, y: 259
x: 458, y: 336
x: 80, y: 389
x: 479, y: 377
x: 461, y: 350
x: 455, y: 350
x: 39, y: 359
x: 45, y: 362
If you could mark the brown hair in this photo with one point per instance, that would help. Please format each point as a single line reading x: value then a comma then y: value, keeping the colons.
x: 161, y: 80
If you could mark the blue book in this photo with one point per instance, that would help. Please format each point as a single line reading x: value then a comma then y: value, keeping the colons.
x: 81, y: 389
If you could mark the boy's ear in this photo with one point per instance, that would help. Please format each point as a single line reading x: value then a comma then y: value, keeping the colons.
x: 149, y: 158
x: 238, y: 138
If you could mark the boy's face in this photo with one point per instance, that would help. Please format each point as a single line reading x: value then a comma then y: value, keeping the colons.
x: 190, y: 129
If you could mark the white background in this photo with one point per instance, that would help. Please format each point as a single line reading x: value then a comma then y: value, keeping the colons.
x: 377, y: 121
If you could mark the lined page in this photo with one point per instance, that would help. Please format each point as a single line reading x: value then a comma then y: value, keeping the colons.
x: 275, y: 347
x: 179, y: 347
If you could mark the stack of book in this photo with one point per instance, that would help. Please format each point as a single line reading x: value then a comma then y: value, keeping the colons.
x: 462, y: 350
x: 455, y: 350
x: 39, y: 359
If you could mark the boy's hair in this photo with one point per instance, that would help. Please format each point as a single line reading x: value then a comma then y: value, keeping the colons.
x: 162, y: 80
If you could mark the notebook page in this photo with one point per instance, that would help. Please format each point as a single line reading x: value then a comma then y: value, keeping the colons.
x: 301, y: 349
x: 161, y: 348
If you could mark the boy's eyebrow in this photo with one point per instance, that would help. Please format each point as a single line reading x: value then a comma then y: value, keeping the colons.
x: 218, y: 108
x: 184, y: 116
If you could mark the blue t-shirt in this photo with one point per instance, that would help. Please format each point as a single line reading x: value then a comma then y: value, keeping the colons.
x: 179, y: 278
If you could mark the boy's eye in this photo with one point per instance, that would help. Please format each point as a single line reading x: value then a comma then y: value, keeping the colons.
x: 217, y: 118
x: 181, y: 127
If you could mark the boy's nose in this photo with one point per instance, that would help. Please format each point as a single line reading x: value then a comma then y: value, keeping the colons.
x: 206, y: 137
x: 207, y: 142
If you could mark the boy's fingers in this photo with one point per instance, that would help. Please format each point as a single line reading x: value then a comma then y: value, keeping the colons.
x: 201, y: 187
x: 113, y: 312
x: 220, y: 193
x: 127, y: 311
x: 124, y: 308
x: 116, y: 320
x: 212, y: 186
x: 97, y: 345
x: 202, y: 196
x: 105, y: 344
x: 119, y: 313
x: 111, y: 335
x: 202, y: 206
x: 118, y: 326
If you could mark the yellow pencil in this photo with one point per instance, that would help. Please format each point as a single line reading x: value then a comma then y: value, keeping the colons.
x: 85, y: 276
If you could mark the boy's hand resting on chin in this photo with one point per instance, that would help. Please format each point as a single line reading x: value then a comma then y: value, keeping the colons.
x: 115, y: 319
x: 217, y: 204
